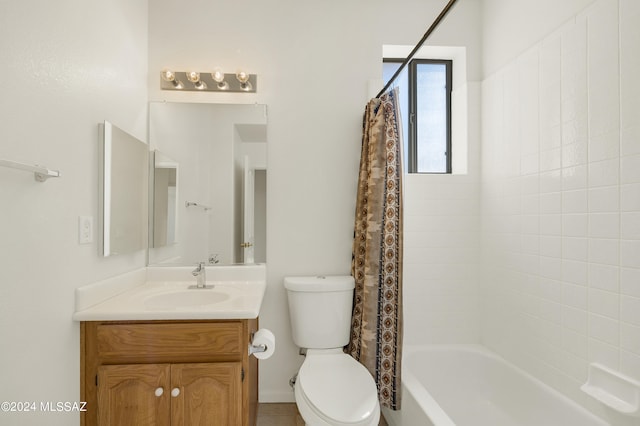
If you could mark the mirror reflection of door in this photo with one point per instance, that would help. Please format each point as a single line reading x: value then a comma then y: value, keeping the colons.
x: 248, y: 213
x: 260, y: 215
x: 165, y: 193
x: 254, y: 244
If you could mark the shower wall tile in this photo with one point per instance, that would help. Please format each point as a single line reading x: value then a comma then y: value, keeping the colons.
x: 606, y: 251
x: 575, y: 201
x: 605, y: 173
x: 560, y: 258
x: 603, y: 81
x: 441, y: 259
x: 629, y: 253
x: 630, y: 338
x: 604, y: 199
x: 630, y: 309
x: 550, y: 246
x: 575, y: 248
x: 574, y: 154
x: 629, y: 66
x: 630, y: 225
x: 603, y: 353
x: 629, y: 199
x: 604, y: 225
x: 575, y: 177
x: 604, y: 329
x: 629, y: 177
x: 604, y: 303
x: 575, y: 225
x: 629, y: 169
x: 575, y: 320
x: 604, y: 277
x: 629, y: 363
x: 630, y: 135
x: 575, y: 272
x: 630, y: 281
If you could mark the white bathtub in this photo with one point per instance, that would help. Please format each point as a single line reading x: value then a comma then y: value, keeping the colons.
x: 467, y: 385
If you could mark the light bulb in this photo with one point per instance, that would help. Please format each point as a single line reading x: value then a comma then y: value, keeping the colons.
x: 218, y: 76
x: 193, y: 76
x: 242, y: 76
x: 170, y: 76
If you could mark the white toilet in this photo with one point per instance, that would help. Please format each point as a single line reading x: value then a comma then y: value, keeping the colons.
x: 332, y: 388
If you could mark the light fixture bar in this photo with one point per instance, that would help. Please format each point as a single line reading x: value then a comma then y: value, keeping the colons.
x: 210, y: 85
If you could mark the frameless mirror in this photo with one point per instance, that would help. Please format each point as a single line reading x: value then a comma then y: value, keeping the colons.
x: 123, y: 199
x: 165, y: 200
x: 221, y: 150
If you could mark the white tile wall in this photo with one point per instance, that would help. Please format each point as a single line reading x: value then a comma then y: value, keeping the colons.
x: 441, y: 253
x: 560, y: 200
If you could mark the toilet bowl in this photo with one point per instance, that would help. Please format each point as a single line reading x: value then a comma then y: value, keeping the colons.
x: 331, y: 388
x: 334, y: 389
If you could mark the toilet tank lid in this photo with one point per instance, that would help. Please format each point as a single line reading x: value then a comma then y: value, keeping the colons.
x: 320, y: 283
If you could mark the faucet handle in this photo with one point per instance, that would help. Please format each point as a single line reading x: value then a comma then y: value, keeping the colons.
x: 199, y: 267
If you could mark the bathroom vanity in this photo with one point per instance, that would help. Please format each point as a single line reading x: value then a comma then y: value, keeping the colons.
x: 168, y: 372
x: 154, y: 351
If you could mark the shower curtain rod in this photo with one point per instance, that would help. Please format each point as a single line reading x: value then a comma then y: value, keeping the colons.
x: 418, y: 46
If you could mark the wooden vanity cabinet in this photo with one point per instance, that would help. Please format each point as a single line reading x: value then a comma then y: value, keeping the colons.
x: 173, y: 373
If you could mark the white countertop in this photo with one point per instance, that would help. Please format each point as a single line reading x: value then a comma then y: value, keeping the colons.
x: 171, y: 298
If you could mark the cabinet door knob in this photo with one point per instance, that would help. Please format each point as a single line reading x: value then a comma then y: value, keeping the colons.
x: 175, y: 392
x: 159, y: 391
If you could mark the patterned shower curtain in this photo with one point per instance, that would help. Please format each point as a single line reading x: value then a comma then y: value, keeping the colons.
x: 376, y: 325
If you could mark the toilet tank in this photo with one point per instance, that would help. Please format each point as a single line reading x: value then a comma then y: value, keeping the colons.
x: 320, y: 310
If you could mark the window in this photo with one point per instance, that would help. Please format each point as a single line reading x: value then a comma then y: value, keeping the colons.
x: 425, y: 106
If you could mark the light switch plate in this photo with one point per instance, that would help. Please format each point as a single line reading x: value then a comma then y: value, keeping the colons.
x: 85, y: 229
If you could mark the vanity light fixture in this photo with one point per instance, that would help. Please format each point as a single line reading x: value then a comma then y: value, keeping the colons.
x: 214, y: 81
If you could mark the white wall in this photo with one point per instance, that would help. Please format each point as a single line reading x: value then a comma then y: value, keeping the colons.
x: 560, y: 191
x: 67, y: 65
x: 314, y: 61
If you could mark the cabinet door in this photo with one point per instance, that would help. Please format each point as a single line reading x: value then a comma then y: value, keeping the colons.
x: 206, y: 394
x: 133, y: 395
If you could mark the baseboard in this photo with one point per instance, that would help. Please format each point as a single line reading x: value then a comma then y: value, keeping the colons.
x: 276, y: 397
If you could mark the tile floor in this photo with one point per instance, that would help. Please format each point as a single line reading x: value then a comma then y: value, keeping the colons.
x: 284, y: 414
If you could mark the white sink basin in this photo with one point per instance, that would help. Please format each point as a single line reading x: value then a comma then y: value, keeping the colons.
x: 186, y: 298
x: 163, y: 293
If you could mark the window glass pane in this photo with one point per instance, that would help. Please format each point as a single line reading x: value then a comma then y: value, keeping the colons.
x: 402, y: 83
x: 431, y: 115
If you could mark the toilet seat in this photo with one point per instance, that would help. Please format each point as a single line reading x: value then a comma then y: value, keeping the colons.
x: 338, y: 389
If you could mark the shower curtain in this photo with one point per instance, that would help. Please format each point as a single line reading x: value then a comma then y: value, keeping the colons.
x: 376, y: 326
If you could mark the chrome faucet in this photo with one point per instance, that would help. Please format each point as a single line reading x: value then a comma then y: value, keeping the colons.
x: 201, y: 275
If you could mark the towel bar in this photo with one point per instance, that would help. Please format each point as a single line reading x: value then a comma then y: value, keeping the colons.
x: 41, y: 173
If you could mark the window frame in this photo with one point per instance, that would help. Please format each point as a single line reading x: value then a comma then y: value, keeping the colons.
x: 412, y: 125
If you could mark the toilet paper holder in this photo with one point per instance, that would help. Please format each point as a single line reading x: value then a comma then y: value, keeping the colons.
x: 256, y: 348
x: 262, y: 344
